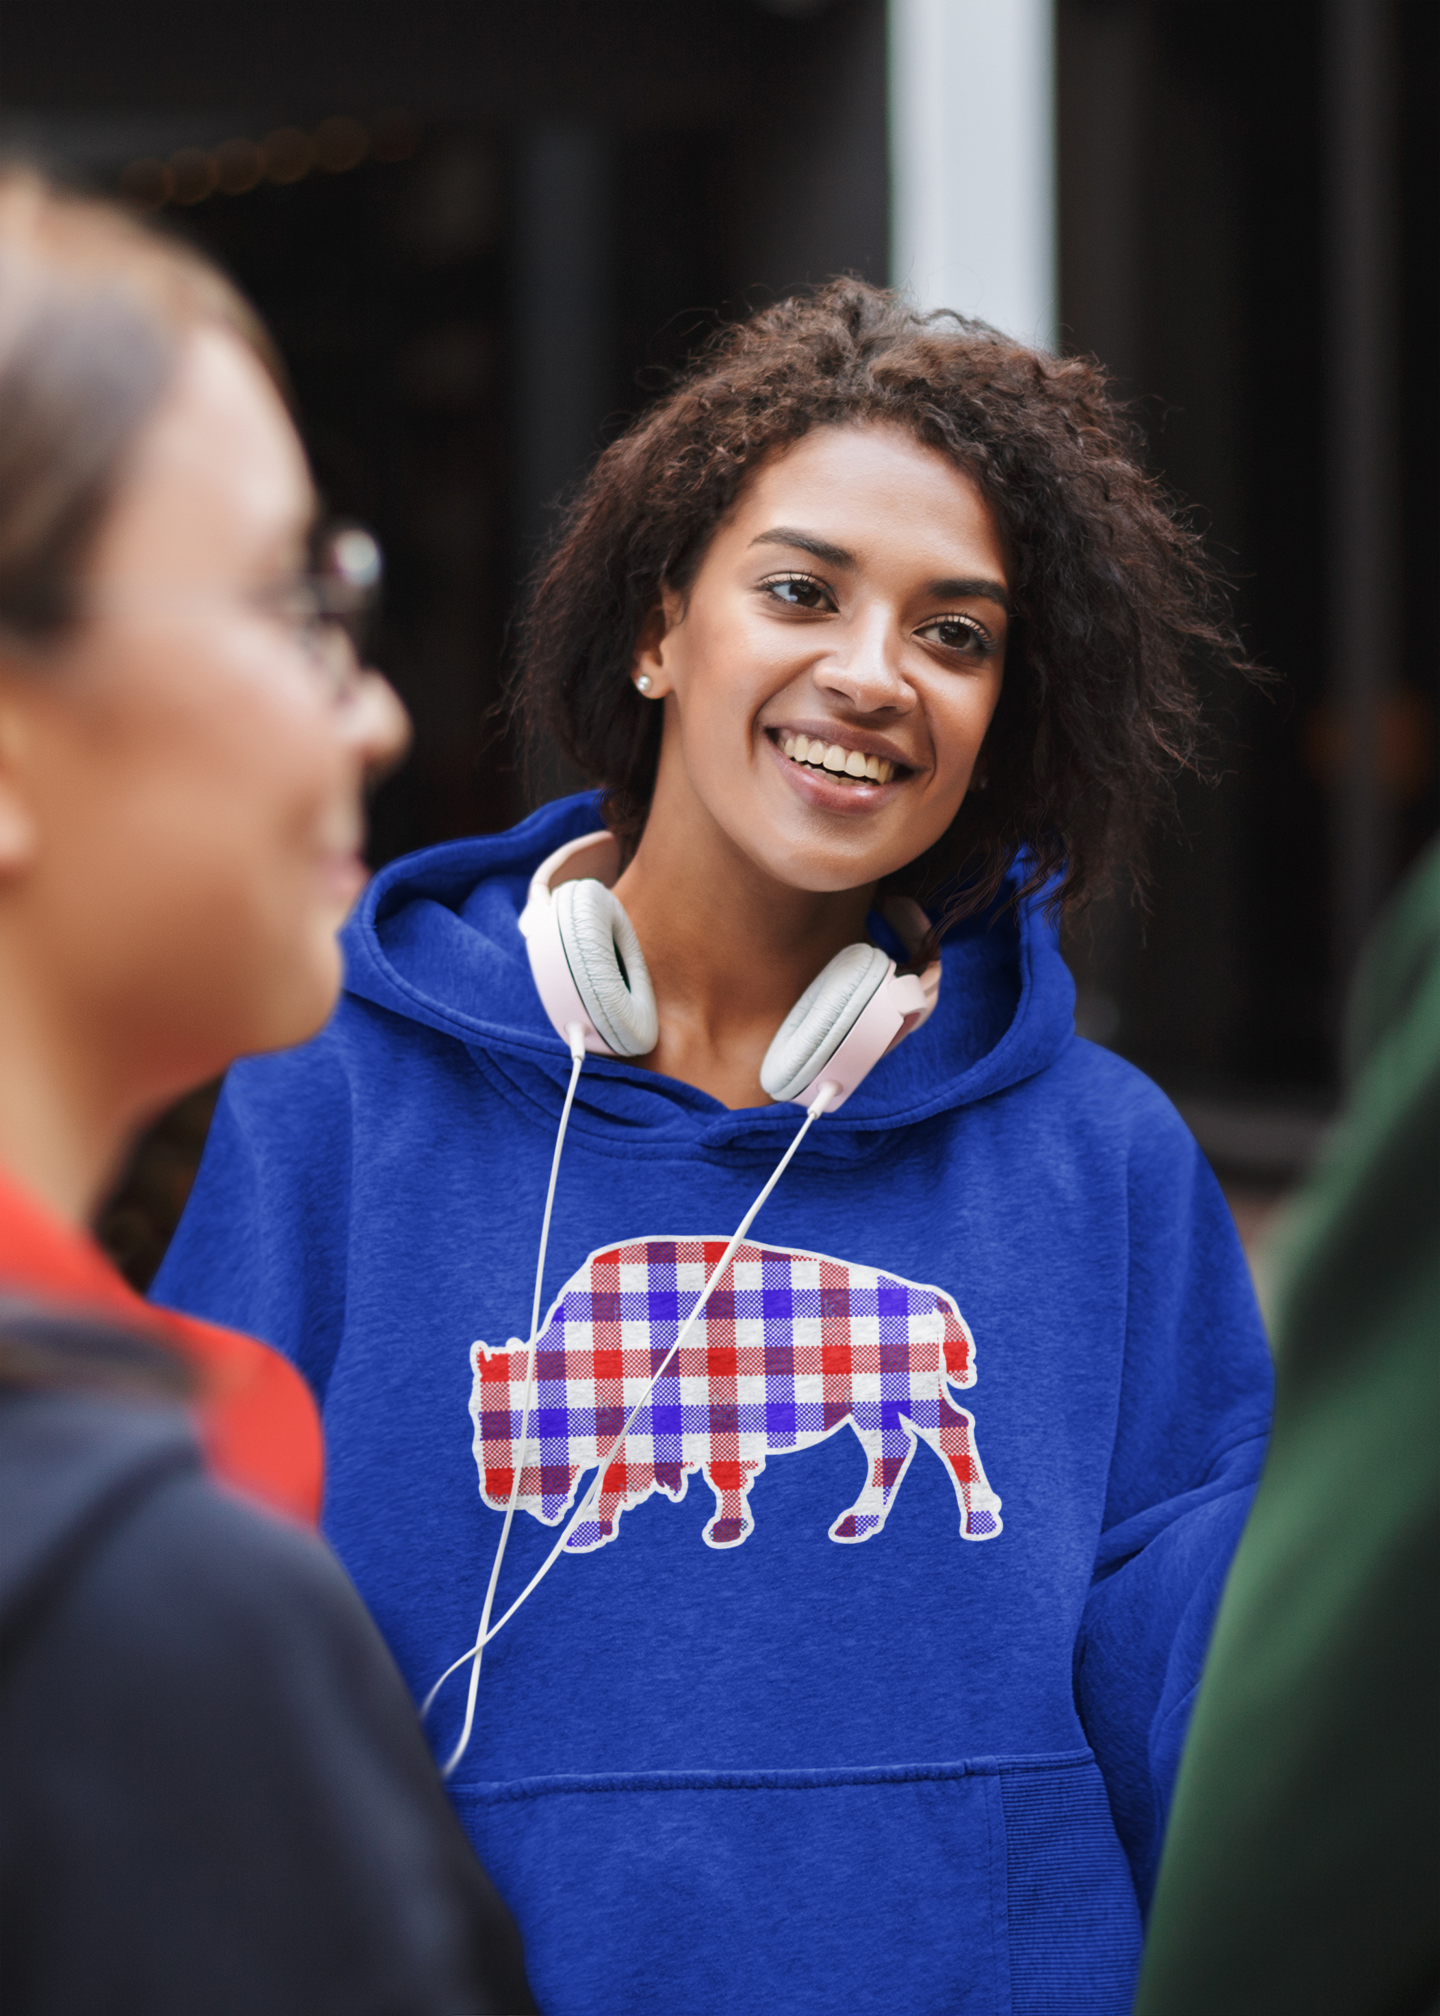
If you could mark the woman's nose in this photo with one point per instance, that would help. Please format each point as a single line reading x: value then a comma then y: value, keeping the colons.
x: 377, y: 726
x: 864, y: 669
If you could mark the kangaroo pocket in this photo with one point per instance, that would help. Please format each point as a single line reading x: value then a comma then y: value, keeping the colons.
x: 896, y: 1889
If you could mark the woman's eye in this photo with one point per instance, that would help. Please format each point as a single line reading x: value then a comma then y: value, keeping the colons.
x: 800, y: 591
x: 957, y: 633
x: 291, y: 606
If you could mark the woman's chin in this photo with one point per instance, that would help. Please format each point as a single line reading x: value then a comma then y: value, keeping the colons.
x: 826, y: 856
x: 342, y: 877
x: 812, y: 868
x: 299, y: 1004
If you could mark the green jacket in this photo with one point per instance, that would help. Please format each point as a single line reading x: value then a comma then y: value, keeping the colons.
x: 1302, y: 1868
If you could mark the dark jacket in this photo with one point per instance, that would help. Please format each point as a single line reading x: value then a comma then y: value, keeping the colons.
x: 213, y: 1792
x: 1302, y: 1872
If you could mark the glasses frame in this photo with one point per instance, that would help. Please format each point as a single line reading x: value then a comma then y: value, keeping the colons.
x: 330, y: 608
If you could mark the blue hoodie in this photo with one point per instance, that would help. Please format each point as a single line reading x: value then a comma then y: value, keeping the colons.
x: 853, y: 1698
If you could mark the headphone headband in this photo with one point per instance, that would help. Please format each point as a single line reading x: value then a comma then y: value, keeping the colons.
x: 590, y: 974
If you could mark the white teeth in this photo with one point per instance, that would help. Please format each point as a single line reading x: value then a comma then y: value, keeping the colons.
x: 840, y: 762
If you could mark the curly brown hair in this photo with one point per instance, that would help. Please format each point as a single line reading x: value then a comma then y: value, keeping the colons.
x: 1114, y: 597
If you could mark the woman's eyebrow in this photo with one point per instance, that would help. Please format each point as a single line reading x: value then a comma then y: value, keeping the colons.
x: 787, y: 535
x: 959, y: 591
x: 837, y: 556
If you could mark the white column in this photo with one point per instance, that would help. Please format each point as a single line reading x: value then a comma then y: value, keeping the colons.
x: 972, y: 159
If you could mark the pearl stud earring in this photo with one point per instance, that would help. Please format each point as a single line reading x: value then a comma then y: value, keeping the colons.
x: 642, y: 684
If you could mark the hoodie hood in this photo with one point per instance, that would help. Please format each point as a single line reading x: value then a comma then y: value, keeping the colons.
x: 436, y: 938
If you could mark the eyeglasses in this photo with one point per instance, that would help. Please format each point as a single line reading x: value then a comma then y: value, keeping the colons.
x: 328, y: 610
x: 325, y: 609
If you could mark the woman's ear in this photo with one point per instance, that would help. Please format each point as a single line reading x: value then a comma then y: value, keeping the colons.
x: 649, y: 668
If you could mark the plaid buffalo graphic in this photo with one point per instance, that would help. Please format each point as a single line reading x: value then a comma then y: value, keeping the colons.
x: 790, y: 1347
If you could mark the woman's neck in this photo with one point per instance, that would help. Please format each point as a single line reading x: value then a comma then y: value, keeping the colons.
x: 730, y: 951
x: 62, y: 1132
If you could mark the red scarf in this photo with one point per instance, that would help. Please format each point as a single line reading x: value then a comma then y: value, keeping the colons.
x: 256, y: 1418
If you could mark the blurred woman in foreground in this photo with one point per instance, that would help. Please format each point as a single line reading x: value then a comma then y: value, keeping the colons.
x: 212, y: 1792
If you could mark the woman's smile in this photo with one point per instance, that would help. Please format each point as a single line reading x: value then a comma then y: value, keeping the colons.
x: 834, y: 770
x: 844, y: 757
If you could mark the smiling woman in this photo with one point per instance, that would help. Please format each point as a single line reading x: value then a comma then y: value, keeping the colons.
x: 877, y: 642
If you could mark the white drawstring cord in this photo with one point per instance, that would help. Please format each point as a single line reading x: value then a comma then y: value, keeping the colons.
x: 575, y: 1036
x: 483, y: 1636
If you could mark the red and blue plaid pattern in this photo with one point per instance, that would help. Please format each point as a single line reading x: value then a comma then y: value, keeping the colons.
x: 790, y: 1347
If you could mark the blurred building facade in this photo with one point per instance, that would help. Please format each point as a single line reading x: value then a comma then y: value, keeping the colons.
x: 483, y: 234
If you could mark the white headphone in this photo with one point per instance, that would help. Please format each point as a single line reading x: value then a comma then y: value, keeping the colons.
x: 590, y: 974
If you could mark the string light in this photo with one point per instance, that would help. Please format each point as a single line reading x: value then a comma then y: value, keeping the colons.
x: 194, y: 175
x: 289, y: 155
x: 340, y: 145
x: 285, y: 156
x: 239, y: 166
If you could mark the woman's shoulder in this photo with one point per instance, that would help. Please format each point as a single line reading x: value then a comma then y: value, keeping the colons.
x: 1109, y: 1093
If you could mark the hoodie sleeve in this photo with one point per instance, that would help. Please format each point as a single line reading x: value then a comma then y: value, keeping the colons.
x: 1190, y: 1437
x: 261, y: 1245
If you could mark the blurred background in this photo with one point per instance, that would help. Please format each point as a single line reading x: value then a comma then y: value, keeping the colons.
x: 484, y: 233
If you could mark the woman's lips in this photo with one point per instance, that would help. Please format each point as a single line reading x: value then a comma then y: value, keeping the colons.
x: 831, y: 789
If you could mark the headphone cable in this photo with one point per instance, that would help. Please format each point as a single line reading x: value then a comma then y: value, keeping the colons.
x: 575, y: 1037
x: 488, y: 1631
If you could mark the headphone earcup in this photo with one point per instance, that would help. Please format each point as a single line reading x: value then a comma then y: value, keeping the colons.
x: 608, y: 967
x: 822, y: 1018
